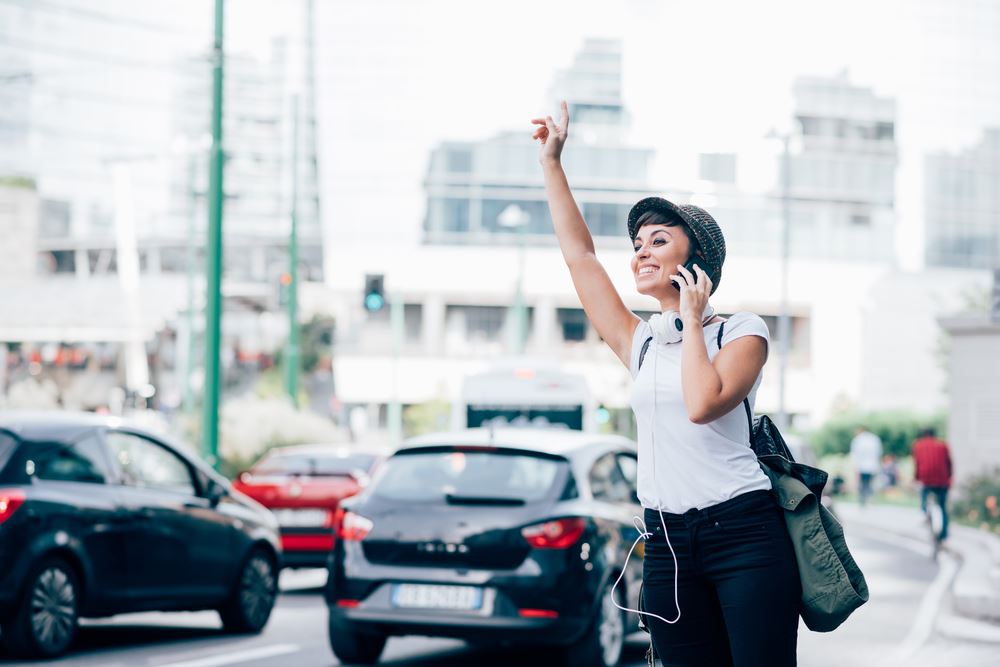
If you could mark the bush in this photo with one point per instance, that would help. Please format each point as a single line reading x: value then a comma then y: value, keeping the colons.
x: 897, y: 429
x: 976, y: 501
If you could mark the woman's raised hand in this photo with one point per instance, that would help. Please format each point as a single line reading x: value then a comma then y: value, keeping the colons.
x: 552, y: 135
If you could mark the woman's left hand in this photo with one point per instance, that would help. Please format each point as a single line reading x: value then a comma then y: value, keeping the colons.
x: 694, y: 294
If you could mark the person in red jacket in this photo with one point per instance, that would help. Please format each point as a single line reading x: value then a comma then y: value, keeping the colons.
x: 932, y: 461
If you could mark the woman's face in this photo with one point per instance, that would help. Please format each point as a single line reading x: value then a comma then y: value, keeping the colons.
x: 658, y: 251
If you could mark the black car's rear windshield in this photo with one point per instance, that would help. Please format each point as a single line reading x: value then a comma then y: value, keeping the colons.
x: 7, y: 445
x: 314, y: 464
x: 467, y: 475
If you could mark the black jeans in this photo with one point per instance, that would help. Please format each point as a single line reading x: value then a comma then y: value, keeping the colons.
x: 738, y: 587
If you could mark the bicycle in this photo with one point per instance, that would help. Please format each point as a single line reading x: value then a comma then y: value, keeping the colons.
x: 934, y: 519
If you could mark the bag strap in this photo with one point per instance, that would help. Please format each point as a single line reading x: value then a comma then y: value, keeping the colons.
x: 642, y: 352
x: 746, y: 401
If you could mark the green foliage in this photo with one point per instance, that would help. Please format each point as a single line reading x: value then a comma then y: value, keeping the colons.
x: 976, y: 502
x: 897, y: 429
x: 316, y: 343
x: 21, y: 182
x: 426, y: 418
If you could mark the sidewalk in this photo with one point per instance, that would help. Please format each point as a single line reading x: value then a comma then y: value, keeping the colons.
x: 975, y: 589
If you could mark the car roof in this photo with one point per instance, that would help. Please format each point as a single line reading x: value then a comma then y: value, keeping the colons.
x: 338, y: 450
x: 560, y: 442
x: 55, y: 424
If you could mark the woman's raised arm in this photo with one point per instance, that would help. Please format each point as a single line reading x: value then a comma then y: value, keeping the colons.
x: 604, y: 307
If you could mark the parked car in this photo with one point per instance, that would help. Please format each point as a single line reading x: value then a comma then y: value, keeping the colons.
x: 485, y: 535
x: 98, y: 517
x: 303, y: 486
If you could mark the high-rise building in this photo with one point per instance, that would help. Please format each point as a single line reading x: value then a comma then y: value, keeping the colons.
x: 469, y: 184
x: 962, y: 205
x: 843, y: 176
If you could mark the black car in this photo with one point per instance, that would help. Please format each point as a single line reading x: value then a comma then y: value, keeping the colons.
x: 98, y: 517
x: 513, y: 535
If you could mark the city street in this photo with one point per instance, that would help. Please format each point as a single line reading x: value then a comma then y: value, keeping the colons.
x: 896, y: 627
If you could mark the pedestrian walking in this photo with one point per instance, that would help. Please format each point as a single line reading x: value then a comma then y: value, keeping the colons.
x: 932, y: 463
x: 866, y: 453
x: 720, y: 581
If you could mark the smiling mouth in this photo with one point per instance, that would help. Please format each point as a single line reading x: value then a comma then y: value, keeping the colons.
x: 646, y: 272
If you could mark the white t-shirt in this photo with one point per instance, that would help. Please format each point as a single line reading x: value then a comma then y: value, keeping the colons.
x: 866, y: 452
x: 693, y: 466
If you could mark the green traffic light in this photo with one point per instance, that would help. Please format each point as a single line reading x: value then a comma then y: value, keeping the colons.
x: 374, y: 302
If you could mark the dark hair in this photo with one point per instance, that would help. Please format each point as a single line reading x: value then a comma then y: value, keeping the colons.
x: 657, y: 218
x: 928, y: 432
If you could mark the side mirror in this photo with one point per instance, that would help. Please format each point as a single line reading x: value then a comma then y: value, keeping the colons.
x: 214, y: 492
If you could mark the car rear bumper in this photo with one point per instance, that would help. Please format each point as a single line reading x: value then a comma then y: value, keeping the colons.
x: 306, y: 549
x: 468, y: 626
x: 548, y: 599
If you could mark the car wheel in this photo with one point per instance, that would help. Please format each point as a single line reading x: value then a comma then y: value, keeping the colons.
x: 602, y: 644
x: 352, y: 647
x: 44, y: 623
x: 250, y: 604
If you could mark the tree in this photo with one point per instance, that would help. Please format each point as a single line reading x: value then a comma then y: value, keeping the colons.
x: 897, y: 430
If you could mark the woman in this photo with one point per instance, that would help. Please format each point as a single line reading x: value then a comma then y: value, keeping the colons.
x: 720, y: 583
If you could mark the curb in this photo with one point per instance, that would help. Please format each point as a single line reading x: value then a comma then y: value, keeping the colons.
x: 975, y: 589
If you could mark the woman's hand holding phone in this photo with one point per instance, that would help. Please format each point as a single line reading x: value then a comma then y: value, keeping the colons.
x: 695, y: 287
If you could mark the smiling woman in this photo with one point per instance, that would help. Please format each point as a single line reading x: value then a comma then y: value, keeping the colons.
x: 697, y: 477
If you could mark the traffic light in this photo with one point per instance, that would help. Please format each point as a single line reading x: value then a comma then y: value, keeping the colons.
x: 284, y: 288
x: 374, y: 292
x: 603, y: 414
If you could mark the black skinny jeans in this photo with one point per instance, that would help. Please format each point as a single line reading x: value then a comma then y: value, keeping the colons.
x: 738, y: 588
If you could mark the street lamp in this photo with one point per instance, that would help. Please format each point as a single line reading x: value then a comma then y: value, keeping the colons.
x: 515, y: 217
x: 784, y: 328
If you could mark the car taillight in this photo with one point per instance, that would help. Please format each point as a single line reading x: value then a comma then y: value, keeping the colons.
x: 354, y: 527
x: 10, y: 500
x: 557, y: 534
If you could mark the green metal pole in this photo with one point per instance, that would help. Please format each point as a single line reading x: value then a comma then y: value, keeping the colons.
x: 397, y: 321
x: 213, y: 268
x: 292, y: 348
x: 187, y: 405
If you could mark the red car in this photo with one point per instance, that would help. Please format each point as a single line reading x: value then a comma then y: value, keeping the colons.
x: 303, y: 485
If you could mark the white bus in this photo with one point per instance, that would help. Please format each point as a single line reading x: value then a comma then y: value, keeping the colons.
x: 525, y: 394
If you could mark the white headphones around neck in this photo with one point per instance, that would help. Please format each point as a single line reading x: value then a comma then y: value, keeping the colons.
x: 669, y: 328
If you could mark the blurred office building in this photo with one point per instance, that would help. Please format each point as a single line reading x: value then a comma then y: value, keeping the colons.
x: 106, y: 162
x: 488, y: 246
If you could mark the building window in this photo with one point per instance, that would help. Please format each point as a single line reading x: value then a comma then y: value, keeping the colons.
x: 480, y: 323
x: 573, y: 322
x: 717, y: 167
x: 413, y: 319
x: 605, y: 219
x: 54, y: 219
x: 538, y: 216
x: 885, y: 131
x: 448, y: 215
x: 57, y: 261
x: 458, y: 161
x: 861, y: 220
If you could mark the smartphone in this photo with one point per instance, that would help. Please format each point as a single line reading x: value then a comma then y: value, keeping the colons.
x: 689, y: 265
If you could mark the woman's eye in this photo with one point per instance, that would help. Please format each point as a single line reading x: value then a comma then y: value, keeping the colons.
x: 659, y: 242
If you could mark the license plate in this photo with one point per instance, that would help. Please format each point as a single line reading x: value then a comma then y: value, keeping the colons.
x: 300, y: 518
x: 425, y: 596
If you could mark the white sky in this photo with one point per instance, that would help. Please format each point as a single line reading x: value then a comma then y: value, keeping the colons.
x: 396, y: 77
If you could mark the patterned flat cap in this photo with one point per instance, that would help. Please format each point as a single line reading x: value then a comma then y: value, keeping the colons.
x: 702, y: 225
